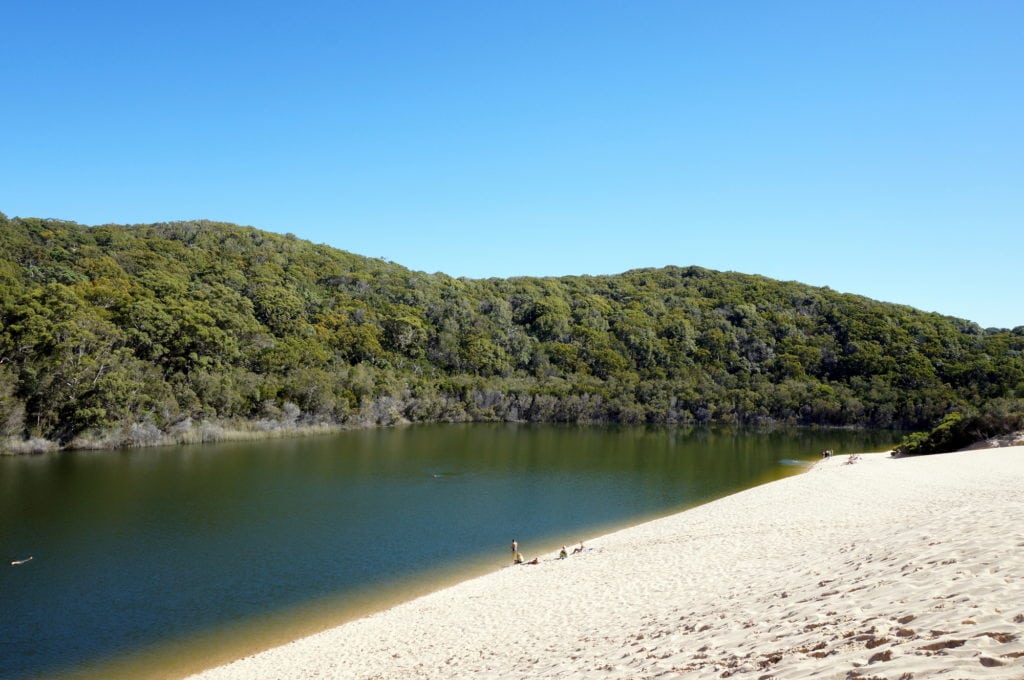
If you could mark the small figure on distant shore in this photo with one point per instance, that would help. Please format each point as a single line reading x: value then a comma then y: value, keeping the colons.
x: 535, y: 560
x: 563, y: 553
x: 517, y: 558
x: 579, y: 549
x: 827, y: 453
x: 852, y: 459
x: 17, y: 562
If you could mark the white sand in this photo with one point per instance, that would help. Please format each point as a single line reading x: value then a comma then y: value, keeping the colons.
x: 882, y: 569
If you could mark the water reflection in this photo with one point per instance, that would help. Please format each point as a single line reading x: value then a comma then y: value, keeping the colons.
x: 132, y: 548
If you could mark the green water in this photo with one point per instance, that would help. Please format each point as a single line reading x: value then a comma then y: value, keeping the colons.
x: 146, y: 557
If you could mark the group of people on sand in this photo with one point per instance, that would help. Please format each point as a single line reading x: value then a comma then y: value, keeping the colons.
x: 517, y: 557
x: 827, y: 453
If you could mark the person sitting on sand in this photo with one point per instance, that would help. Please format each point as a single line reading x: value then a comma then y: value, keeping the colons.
x: 535, y: 560
x: 579, y: 549
x: 852, y: 459
x: 518, y: 559
x: 563, y: 553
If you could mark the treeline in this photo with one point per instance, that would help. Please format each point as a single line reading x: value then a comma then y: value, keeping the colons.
x: 130, y: 334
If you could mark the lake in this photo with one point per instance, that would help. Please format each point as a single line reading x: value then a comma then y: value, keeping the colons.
x: 159, y: 562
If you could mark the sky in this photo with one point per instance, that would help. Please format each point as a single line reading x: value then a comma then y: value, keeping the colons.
x: 876, y: 148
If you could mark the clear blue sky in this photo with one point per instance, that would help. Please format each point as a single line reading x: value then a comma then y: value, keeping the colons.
x: 873, y: 147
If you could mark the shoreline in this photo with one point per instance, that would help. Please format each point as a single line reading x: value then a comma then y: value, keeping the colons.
x: 193, y: 653
x: 881, y: 568
x: 196, y: 652
x: 233, y: 431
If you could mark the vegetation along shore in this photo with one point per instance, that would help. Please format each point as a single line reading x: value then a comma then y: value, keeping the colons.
x: 117, y: 336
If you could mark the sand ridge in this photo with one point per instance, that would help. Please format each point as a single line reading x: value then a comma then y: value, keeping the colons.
x: 886, y: 568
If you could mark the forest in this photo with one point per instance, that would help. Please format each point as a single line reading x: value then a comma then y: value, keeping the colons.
x: 120, y: 335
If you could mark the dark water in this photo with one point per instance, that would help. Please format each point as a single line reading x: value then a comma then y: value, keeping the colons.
x: 134, y: 548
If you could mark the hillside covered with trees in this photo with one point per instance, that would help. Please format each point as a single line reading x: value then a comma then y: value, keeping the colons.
x: 129, y: 335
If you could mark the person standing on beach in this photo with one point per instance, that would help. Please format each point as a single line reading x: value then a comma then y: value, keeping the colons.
x: 515, y: 552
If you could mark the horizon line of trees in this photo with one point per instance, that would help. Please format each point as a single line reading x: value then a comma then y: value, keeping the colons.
x: 147, y: 328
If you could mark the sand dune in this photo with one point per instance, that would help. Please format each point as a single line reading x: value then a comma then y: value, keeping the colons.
x: 908, y: 568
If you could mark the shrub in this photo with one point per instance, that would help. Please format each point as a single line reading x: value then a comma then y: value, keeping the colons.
x: 958, y: 430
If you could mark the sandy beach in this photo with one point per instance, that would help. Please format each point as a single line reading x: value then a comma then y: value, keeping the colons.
x: 885, y: 568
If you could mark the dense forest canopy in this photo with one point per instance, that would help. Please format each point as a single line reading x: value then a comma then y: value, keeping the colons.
x: 138, y: 332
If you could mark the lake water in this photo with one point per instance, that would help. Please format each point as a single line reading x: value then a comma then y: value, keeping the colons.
x: 158, y: 562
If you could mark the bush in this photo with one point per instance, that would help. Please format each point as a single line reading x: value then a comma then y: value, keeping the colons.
x: 949, y: 435
x: 957, y: 430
